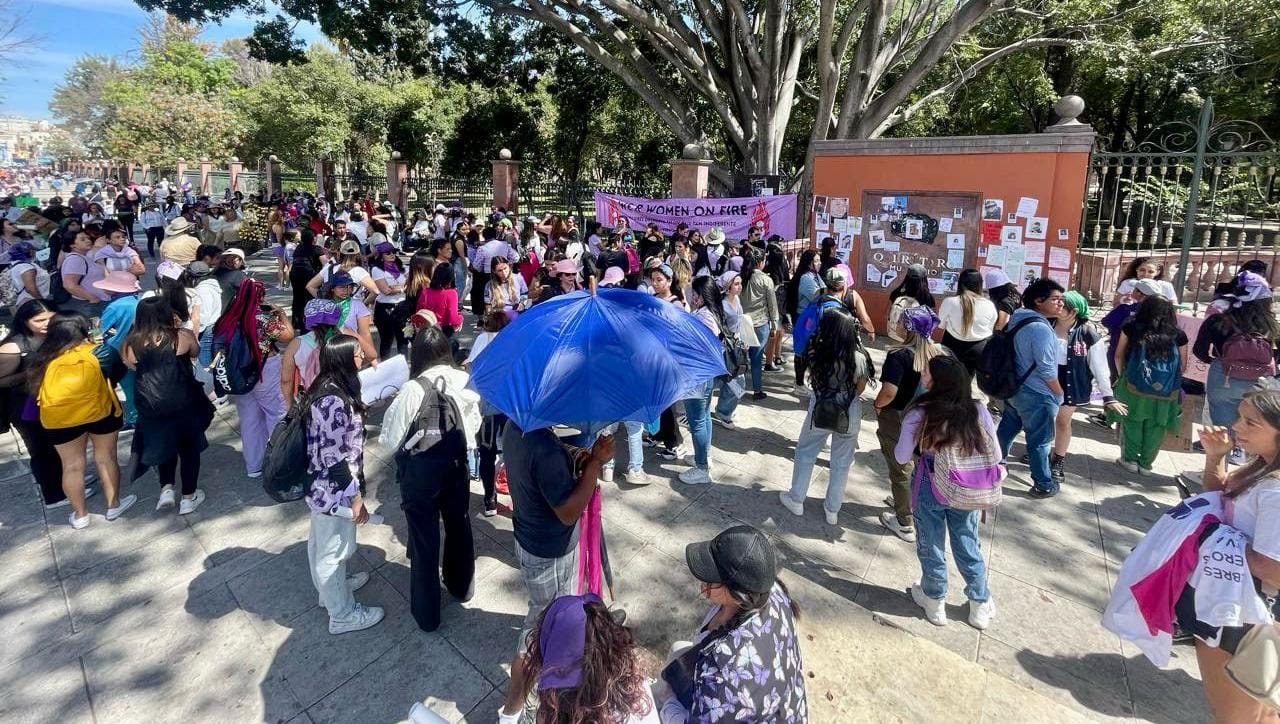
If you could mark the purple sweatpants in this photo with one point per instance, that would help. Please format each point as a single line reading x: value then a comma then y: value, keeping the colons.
x: 259, y: 412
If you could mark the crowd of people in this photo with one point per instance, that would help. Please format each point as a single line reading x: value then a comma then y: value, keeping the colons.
x: 98, y: 345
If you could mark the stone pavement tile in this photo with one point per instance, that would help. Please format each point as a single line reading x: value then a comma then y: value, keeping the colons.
x: 661, y: 598
x: 1051, y: 566
x: 27, y: 563
x: 1004, y: 701
x: 490, y: 557
x: 140, y: 527
x: 1172, y: 694
x: 1124, y: 519
x: 1044, y: 628
x: 33, y: 617
x: 14, y: 462
x: 419, y: 668
x: 1059, y: 678
x: 315, y: 662
x: 281, y: 589
x: 486, y: 712
x: 648, y: 511
x: 39, y: 691
x: 484, y: 630
x: 1075, y: 526
x: 125, y: 581
x: 228, y: 534
x: 23, y: 517
x: 215, y: 671
x: 700, y: 521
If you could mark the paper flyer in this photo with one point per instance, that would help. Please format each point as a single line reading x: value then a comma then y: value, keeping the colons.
x: 993, y: 209
x: 1061, y: 276
x: 1014, y: 257
x: 944, y: 224
x: 950, y: 281
x: 873, y: 273
x: 995, y: 256
x: 844, y: 245
x: 1012, y: 218
x: 838, y: 206
x: 991, y: 232
x: 892, y: 245
x: 820, y: 204
x: 839, y: 227
x: 855, y: 225
x: 1035, y: 252
x: 1064, y: 235
x: 1011, y: 235
x: 1030, y: 273
x: 888, y: 278
x: 955, y: 258
x: 955, y: 241
x: 1037, y: 227
x: 935, y: 286
x: 1059, y: 258
x: 822, y: 221
x: 957, y: 212
x: 1027, y: 207
x: 913, y: 229
x: 876, y: 238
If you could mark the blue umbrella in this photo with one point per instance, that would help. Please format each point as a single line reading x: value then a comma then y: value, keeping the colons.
x: 579, y: 359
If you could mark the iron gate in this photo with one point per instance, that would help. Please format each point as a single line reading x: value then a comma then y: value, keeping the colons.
x: 1199, y: 199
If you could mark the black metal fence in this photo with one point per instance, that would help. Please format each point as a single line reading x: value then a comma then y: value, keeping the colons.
x: 553, y: 196
x: 474, y: 195
x: 347, y: 185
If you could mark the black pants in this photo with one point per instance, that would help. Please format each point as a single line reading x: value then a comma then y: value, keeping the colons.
x: 189, y: 456
x: 389, y: 331
x: 46, y: 466
x: 800, y: 370
x: 479, y: 280
x: 668, y: 430
x: 126, y: 222
x: 155, y: 235
x: 432, y: 492
x: 490, y: 438
x: 298, y: 278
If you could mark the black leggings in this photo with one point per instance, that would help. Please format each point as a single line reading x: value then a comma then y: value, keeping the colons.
x: 298, y: 278
x: 801, y: 367
x: 389, y: 331
x: 126, y: 222
x: 155, y: 235
x: 479, y: 280
x: 491, y: 428
x: 46, y: 466
x: 190, y: 458
x: 668, y: 430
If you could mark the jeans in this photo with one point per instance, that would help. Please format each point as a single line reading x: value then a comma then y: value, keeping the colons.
x: 433, y: 493
x: 1035, y: 413
x: 698, y: 412
x: 1223, y: 395
x: 932, y: 523
x: 635, y: 447
x: 843, y: 446
x: 757, y: 357
x: 259, y: 411
x: 727, y: 403
x: 330, y: 545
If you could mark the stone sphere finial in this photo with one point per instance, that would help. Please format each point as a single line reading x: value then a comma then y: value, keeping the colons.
x: 504, y: 154
x: 692, y: 152
x: 1068, y: 109
x: 395, y: 155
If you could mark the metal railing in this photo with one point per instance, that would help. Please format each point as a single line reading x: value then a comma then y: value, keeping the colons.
x: 553, y: 196
x: 473, y: 195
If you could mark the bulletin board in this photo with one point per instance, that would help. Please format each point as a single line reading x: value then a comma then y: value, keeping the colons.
x: 938, y: 230
x: 1020, y: 243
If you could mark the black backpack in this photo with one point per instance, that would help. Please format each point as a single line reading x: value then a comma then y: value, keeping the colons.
x: 996, y: 371
x: 437, y: 433
x: 284, y: 466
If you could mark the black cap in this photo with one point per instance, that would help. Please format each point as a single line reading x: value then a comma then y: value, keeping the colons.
x: 740, y: 557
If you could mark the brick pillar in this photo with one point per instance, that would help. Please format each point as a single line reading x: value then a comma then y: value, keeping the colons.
x: 690, y: 174
x: 506, y: 182
x: 234, y: 168
x: 324, y: 177
x: 129, y: 167
x: 272, y: 185
x: 206, y: 168
x: 179, y: 173
x: 397, y: 181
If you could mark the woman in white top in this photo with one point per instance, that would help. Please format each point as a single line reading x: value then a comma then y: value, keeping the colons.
x: 1143, y: 267
x: 389, y: 274
x: 349, y: 260
x: 968, y: 319
x: 28, y: 278
x: 1253, y: 508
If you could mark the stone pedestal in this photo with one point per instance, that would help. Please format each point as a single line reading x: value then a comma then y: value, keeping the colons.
x: 690, y: 178
x: 324, y: 178
x: 179, y: 173
x: 235, y: 167
x: 506, y: 183
x: 397, y: 181
x: 206, y: 168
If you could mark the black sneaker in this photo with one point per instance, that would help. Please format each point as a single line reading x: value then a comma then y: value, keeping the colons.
x: 758, y: 395
x: 1100, y: 420
x: 667, y: 453
x: 1040, y: 493
x: 1057, y: 467
x: 490, y: 508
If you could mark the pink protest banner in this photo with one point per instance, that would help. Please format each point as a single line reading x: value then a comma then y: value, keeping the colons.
x: 773, y: 214
x: 1196, y: 369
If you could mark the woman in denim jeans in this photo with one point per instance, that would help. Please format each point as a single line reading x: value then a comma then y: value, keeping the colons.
x: 946, y: 416
x: 839, y: 368
x: 707, y: 306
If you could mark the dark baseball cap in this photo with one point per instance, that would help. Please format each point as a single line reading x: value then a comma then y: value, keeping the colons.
x: 740, y: 557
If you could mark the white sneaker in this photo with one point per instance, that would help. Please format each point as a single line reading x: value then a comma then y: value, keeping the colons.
x: 889, y: 502
x: 796, y: 507
x: 889, y: 519
x: 638, y: 477
x: 168, y: 498
x: 1237, y: 456
x: 980, y: 613
x: 362, y: 617
x: 356, y: 581
x: 78, y: 523
x: 695, y: 476
x: 800, y: 391
x: 606, y: 474
x: 1128, y: 465
x: 935, y: 609
x: 833, y: 516
x: 125, y: 503
x: 724, y: 422
x: 255, y: 474
x: 189, y: 505
x: 89, y: 492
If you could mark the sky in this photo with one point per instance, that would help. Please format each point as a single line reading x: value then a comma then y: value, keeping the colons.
x: 67, y: 29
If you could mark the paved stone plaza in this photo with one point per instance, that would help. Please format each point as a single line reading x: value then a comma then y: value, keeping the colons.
x: 213, y: 617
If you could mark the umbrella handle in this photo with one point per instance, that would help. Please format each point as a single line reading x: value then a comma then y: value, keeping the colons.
x: 591, y: 284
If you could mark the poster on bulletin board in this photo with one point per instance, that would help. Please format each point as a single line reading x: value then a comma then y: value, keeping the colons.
x: 901, y: 228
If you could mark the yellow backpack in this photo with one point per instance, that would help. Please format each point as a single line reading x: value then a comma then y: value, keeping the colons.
x: 74, y: 390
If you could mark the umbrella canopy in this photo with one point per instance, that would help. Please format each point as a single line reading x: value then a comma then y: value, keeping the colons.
x: 579, y: 359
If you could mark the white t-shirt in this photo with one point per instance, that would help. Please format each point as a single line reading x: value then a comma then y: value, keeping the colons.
x: 42, y: 281
x: 210, y: 296
x: 1166, y: 289
x: 951, y: 313
x: 441, y: 223
x: 1256, y: 513
x: 360, y: 229
x: 391, y: 281
x: 358, y: 274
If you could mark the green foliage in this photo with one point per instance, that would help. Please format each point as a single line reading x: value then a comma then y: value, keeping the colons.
x: 161, y: 123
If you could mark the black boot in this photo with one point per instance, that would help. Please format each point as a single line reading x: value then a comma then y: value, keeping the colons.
x: 1057, y: 467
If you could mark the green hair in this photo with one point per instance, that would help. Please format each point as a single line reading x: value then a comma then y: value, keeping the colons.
x: 1077, y: 302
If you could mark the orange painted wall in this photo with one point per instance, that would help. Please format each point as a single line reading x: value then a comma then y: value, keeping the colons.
x: 1057, y: 179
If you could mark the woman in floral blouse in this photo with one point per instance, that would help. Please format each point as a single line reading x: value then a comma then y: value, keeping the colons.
x: 744, y: 663
x: 335, y: 451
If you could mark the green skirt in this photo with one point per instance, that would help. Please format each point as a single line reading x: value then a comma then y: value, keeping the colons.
x: 1164, y: 412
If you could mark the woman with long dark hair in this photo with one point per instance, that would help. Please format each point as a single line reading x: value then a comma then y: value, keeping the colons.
x: 300, y: 361
x: 389, y: 274
x: 586, y: 666
x: 335, y: 454
x: 441, y: 298
x: 173, y: 412
x: 1004, y: 294
x: 1239, y: 345
x: 802, y: 290
x: 912, y: 291
x: 708, y: 307
x: 18, y: 406
x: 1151, y: 358
x: 746, y: 649
x: 308, y: 259
x: 77, y: 405
x: 947, y: 417
x: 1143, y: 267
x: 776, y: 266
x: 432, y: 470
x: 839, y: 368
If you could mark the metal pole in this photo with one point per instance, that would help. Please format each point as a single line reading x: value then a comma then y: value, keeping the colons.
x: 1193, y: 198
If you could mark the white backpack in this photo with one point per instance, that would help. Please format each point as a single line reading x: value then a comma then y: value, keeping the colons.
x: 900, y: 305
